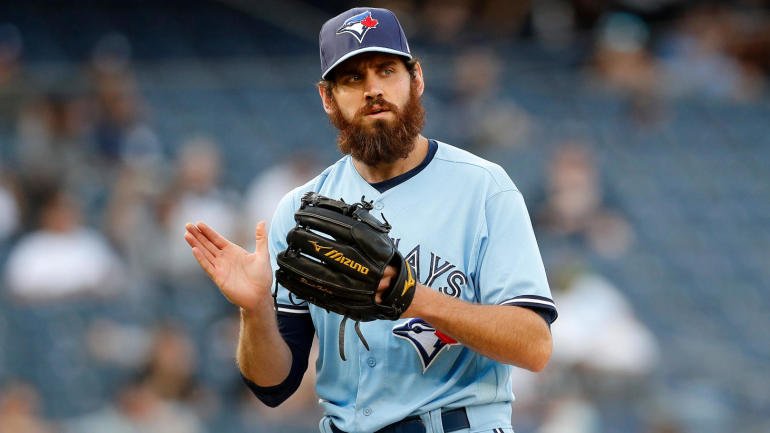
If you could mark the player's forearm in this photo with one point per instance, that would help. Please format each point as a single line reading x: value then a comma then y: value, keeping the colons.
x: 262, y: 355
x: 512, y: 335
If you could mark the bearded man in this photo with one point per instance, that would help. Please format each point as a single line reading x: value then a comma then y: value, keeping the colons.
x: 482, y: 304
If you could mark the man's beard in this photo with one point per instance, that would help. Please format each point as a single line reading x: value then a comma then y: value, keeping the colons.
x: 383, y: 141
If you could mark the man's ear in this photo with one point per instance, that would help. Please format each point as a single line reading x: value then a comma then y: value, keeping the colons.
x: 326, y: 99
x: 419, y: 78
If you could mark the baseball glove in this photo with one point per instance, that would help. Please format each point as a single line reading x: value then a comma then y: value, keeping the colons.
x: 336, y: 256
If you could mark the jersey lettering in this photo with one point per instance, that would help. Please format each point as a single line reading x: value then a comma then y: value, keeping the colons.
x: 455, y: 281
x: 436, y: 269
x: 413, y: 258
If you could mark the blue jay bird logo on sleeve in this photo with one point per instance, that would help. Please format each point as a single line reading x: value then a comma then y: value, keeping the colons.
x: 428, y: 341
x: 358, y: 25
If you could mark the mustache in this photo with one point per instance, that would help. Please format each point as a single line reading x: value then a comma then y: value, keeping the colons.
x: 379, y: 101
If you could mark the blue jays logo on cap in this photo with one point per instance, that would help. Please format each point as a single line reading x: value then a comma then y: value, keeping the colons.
x: 358, y: 25
x: 428, y: 341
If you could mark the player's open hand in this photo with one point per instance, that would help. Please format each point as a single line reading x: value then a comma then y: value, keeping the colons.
x: 243, y: 278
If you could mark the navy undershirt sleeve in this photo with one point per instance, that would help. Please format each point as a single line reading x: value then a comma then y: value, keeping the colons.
x: 297, y: 330
x: 547, y: 314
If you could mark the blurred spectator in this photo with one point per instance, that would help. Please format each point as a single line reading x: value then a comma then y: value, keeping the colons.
x: 623, y: 63
x: 664, y: 426
x: 10, y: 213
x: 15, y: 86
x: 622, y: 57
x: 216, y: 359
x: 121, y: 132
x: 52, y: 147
x: 571, y: 413
x: 502, y: 21
x: 59, y: 276
x: 113, y: 344
x: 575, y: 207
x: 478, y: 117
x: 172, y: 367
x: 599, y: 331
x: 696, y: 59
x: 19, y: 410
x: 604, y: 357
x: 132, y: 220
x: 137, y: 409
x: 62, y: 258
x: 445, y: 22
x: 195, y: 195
x: 266, y: 190
x: 164, y: 359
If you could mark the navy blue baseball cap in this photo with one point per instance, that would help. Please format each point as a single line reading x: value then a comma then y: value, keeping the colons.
x: 357, y: 31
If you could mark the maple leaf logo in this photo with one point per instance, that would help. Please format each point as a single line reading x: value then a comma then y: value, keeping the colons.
x: 369, y: 22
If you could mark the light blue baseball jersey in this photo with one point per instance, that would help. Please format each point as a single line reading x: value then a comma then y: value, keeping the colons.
x: 464, y: 227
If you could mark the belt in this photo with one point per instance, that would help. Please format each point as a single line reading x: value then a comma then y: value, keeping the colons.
x: 452, y: 420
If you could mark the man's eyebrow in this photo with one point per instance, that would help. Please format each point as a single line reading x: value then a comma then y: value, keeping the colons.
x: 357, y: 68
x: 386, y: 63
x: 348, y: 69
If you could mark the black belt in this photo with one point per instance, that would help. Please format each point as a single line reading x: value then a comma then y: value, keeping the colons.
x: 452, y: 420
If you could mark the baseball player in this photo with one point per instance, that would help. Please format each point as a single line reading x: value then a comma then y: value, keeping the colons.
x: 475, y: 296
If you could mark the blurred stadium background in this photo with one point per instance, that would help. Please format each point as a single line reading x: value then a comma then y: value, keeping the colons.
x: 636, y: 129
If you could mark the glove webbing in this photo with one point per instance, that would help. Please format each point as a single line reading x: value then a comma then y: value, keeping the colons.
x: 342, y: 336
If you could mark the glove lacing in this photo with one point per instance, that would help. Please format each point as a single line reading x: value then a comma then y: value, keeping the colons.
x: 341, y: 340
x: 342, y: 336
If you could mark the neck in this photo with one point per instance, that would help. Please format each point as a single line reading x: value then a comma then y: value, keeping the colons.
x: 383, y: 172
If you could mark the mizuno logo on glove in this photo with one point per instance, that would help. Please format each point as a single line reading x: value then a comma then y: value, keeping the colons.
x: 339, y: 257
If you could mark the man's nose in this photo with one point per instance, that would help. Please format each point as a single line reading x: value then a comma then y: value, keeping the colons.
x: 373, y: 87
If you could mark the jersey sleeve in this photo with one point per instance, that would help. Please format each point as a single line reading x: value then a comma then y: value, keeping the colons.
x: 510, y: 269
x: 283, y: 221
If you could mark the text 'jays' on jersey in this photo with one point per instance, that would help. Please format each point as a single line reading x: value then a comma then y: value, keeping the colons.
x: 464, y: 227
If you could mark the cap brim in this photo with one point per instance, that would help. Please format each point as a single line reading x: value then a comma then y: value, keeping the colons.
x: 364, y: 50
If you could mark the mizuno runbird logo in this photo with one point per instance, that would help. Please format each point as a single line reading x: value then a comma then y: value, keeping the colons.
x: 409, y: 283
x: 340, y: 258
x: 318, y: 247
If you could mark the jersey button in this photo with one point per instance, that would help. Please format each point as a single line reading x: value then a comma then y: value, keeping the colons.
x: 379, y: 205
x: 371, y: 362
x: 367, y: 411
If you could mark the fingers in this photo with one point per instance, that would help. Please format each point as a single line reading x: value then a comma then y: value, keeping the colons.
x: 390, y: 271
x: 203, y: 239
x: 385, y: 282
x: 260, y: 234
x: 195, y: 243
x: 212, y: 236
x: 195, y: 238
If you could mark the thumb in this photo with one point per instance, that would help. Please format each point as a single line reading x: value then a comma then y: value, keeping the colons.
x: 260, y: 234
